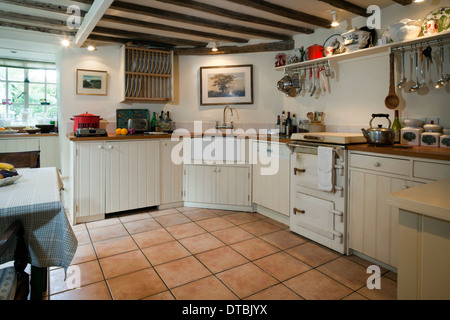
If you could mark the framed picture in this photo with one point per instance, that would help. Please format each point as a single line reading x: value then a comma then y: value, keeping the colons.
x: 226, y: 85
x: 92, y: 82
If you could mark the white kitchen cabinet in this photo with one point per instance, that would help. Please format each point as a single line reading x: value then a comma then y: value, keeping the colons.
x: 373, y: 225
x: 110, y: 176
x: 48, y: 145
x: 271, y: 189
x: 89, y: 181
x: 221, y: 186
x: 132, y: 175
x: 171, y: 174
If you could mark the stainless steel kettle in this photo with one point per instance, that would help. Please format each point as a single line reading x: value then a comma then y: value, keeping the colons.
x: 379, y: 135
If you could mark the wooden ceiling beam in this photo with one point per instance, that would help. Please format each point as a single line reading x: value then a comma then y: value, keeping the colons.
x: 173, y: 16
x: 41, y: 21
x: 203, y: 7
x: 36, y: 28
x: 262, y: 47
x: 284, y: 12
x: 347, y: 6
x: 148, y: 37
x: 157, y: 26
x: 403, y: 2
x: 38, y: 5
x: 138, y: 42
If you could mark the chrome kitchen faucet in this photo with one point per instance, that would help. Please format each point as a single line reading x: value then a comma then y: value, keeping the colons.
x: 224, y: 123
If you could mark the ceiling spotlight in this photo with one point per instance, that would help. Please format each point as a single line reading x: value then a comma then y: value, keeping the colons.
x: 334, y: 23
x: 91, y: 48
x: 418, y: 1
x: 65, y: 42
x: 215, y: 47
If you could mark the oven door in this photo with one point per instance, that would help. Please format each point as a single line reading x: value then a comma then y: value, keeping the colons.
x: 316, y: 219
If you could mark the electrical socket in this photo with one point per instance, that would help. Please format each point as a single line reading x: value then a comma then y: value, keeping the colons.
x: 435, y: 120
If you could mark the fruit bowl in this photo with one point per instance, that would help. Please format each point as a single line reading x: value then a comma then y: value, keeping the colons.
x: 10, y: 180
x: 32, y: 131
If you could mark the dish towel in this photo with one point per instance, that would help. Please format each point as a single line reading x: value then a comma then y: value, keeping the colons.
x: 325, y: 166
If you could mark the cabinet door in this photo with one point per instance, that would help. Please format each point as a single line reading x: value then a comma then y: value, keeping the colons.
x: 89, y: 178
x: 374, y: 224
x: 200, y: 183
x: 171, y: 174
x: 271, y: 190
x: 233, y: 185
x: 132, y: 175
x: 49, y: 147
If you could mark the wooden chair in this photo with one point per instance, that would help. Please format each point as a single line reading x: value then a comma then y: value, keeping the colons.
x: 14, y: 281
x: 27, y: 159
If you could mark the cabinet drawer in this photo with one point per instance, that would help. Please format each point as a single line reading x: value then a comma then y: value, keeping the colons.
x: 431, y: 171
x: 381, y: 164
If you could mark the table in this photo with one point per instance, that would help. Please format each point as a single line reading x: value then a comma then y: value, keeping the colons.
x: 35, y: 200
x: 424, y: 241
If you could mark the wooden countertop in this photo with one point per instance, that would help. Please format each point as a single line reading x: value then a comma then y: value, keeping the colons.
x: 429, y: 199
x: 113, y: 136
x: 28, y: 135
x: 415, y: 151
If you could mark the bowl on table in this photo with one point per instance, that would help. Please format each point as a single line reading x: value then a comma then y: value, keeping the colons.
x: 45, y: 128
x: 32, y: 131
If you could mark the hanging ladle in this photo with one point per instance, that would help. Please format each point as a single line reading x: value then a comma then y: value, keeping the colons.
x: 441, y: 82
x: 392, y: 101
x: 403, y: 81
x: 416, y: 87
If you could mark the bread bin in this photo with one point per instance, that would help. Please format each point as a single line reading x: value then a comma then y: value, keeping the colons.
x: 139, y: 125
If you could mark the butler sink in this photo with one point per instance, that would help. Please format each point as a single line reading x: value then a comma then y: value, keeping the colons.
x: 214, y: 148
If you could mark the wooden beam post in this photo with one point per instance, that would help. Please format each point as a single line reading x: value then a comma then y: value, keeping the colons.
x: 95, y: 13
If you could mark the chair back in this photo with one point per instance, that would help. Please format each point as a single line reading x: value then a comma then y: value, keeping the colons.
x: 27, y: 159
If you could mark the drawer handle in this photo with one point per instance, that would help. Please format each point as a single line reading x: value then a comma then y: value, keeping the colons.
x: 376, y: 164
x: 298, y: 170
x: 299, y: 211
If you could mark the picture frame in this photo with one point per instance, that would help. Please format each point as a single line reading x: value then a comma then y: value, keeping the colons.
x: 226, y: 85
x: 92, y: 82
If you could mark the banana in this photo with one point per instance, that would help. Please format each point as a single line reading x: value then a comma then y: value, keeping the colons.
x: 7, y: 166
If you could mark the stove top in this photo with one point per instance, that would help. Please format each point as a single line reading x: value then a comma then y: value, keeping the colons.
x: 330, y: 137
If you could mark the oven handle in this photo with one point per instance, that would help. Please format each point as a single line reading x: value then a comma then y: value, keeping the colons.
x: 292, y: 146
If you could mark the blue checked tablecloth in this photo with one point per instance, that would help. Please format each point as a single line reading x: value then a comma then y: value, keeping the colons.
x: 34, y: 199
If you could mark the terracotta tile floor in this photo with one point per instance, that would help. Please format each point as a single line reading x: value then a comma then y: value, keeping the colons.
x: 200, y: 254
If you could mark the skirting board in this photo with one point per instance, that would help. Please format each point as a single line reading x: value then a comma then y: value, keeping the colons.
x: 218, y: 206
x: 272, y: 214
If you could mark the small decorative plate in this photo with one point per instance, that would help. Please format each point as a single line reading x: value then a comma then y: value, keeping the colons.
x: 440, y: 14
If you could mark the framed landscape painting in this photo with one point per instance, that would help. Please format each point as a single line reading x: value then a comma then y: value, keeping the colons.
x: 92, y: 82
x: 226, y: 85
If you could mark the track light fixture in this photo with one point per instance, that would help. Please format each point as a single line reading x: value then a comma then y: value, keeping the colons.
x: 334, y: 23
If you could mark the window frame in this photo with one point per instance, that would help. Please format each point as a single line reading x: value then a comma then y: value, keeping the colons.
x: 26, y: 89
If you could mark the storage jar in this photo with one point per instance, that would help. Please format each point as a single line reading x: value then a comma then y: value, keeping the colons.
x: 430, y: 139
x: 411, y: 136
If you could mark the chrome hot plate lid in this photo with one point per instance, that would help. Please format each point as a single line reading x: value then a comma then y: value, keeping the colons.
x: 329, y: 137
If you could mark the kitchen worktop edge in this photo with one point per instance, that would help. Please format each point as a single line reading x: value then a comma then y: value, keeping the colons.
x: 415, y: 151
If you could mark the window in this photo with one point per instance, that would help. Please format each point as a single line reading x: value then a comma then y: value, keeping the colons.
x: 28, y: 96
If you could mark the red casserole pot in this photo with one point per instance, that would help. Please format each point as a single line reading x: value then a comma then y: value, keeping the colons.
x: 315, y: 52
x: 85, y: 120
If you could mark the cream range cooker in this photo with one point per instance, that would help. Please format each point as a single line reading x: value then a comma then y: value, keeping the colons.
x: 319, y: 187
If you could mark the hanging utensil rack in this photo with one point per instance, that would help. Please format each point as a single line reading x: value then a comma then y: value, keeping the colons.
x: 148, y: 74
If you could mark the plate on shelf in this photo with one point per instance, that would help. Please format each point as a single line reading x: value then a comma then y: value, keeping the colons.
x: 10, y: 180
x: 337, y: 42
x: 9, y: 132
x: 442, y: 15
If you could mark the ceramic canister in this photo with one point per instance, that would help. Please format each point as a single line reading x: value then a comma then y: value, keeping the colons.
x: 411, y: 136
x: 430, y: 139
x: 445, y: 139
